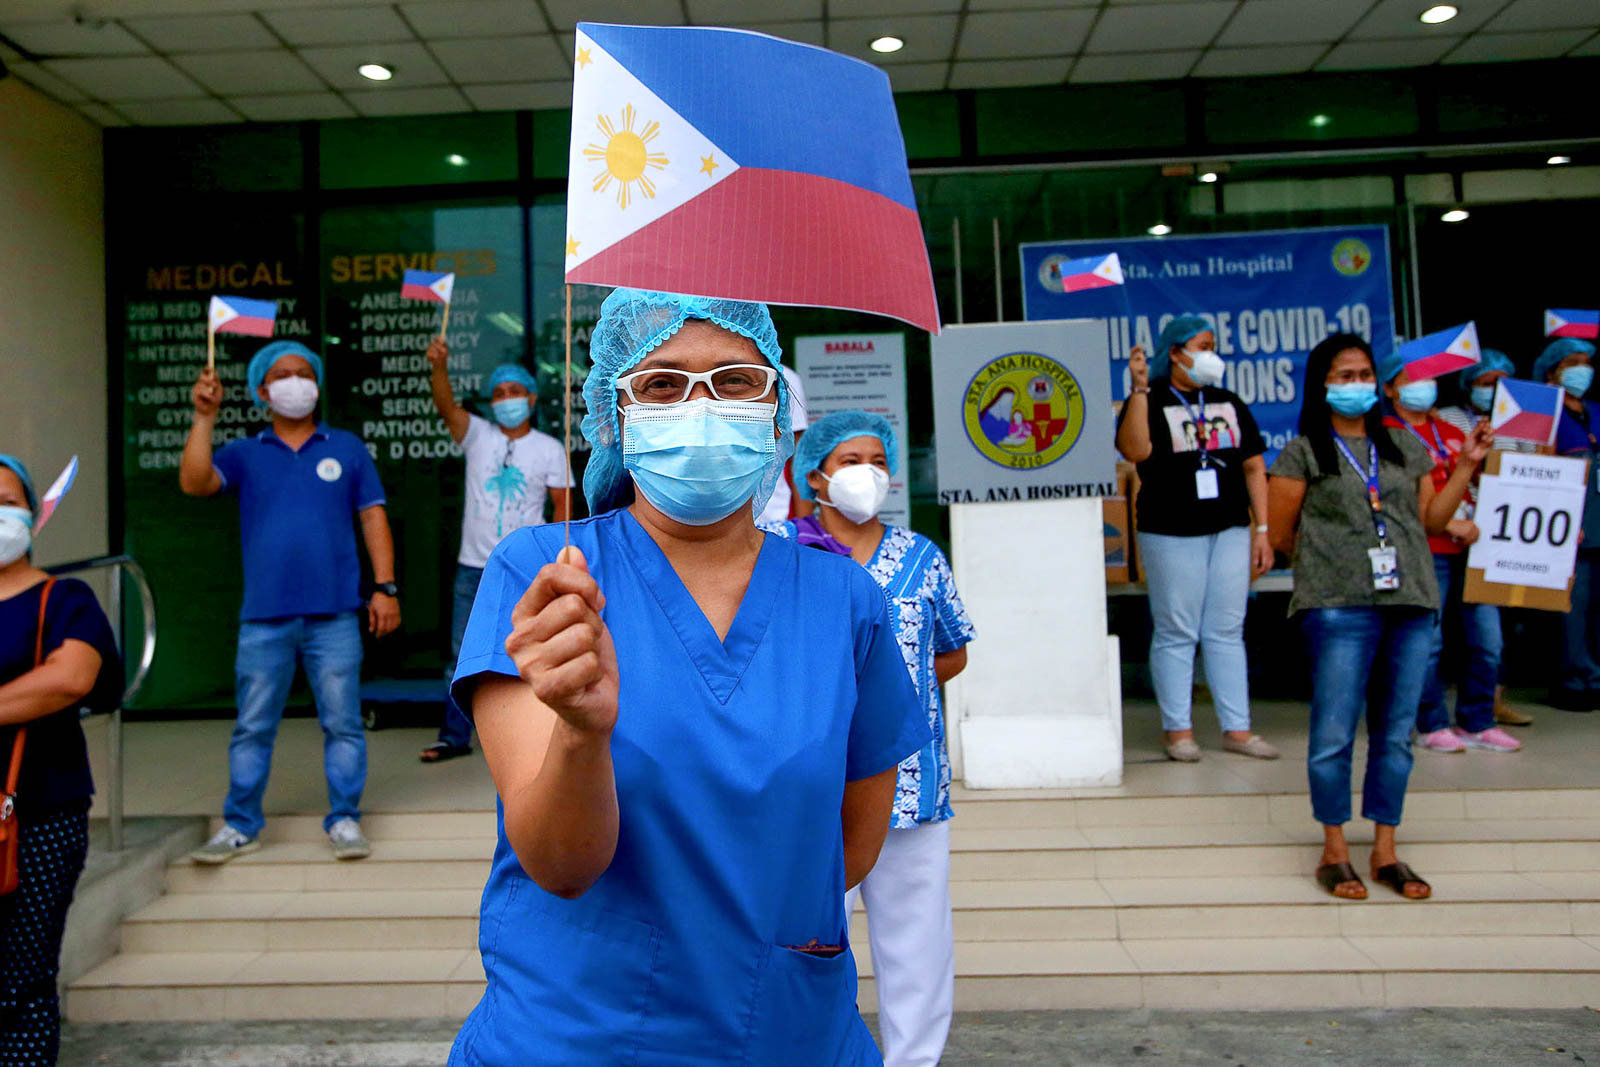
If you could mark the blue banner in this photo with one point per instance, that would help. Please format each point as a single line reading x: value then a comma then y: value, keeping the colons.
x: 1271, y: 295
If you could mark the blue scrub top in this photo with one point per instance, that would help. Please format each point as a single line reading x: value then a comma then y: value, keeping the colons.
x: 731, y: 759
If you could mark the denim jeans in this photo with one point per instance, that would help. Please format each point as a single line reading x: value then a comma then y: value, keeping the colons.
x: 1199, y: 587
x: 457, y: 728
x: 1364, y: 661
x: 1580, y: 659
x: 1481, y: 629
x: 329, y: 647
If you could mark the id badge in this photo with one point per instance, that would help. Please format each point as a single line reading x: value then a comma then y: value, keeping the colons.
x: 1205, y: 484
x: 1385, y: 568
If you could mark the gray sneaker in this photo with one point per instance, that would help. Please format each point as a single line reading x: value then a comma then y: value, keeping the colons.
x: 226, y: 844
x: 348, y: 842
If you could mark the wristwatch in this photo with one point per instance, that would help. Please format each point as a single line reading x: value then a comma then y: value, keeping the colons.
x: 386, y: 588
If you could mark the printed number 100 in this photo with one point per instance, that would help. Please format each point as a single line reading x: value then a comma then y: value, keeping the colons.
x: 1531, y: 523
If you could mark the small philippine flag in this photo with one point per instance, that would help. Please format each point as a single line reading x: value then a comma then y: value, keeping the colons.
x: 1442, y: 352
x: 1571, y: 322
x: 52, y: 496
x: 426, y: 285
x: 237, y: 314
x: 1091, y: 272
x: 1526, y: 411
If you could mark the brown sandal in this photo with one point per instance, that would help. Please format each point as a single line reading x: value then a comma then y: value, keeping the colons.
x: 1333, y: 875
x: 1397, y: 876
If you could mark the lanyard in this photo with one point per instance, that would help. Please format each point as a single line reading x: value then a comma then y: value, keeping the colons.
x: 1198, y: 421
x: 1370, y: 476
x: 1441, y: 455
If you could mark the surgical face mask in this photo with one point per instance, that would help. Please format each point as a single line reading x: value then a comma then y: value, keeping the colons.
x: 16, y: 534
x: 1207, y: 369
x: 293, y: 397
x: 510, y: 413
x: 1418, y: 396
x: 1577, y: 378
x: 1482, y: 396
x: 1352, y: 398
x: 857, y: 491
x: 697, y: 461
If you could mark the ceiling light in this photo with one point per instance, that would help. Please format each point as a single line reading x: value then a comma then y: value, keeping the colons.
x: 887, y: 43
x: 1320, y: 121
x: 1209, y: 176
x: 1439, y: 13
x: 1160, y: 229
x: 1455, y: 214
x: 456, y: 159
x: 375, y: 72
x: 1556, y: 161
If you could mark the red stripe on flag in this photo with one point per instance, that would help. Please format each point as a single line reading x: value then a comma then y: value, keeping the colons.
x: 420, y: 292
x: 784, y: 238
x: 248, y: 326
x: 1590, y: 330
x: 1079, y: 282
x: 1527, y: 426
x: 1435, y: 365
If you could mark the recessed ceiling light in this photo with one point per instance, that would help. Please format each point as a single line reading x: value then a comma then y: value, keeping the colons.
x: 1439, y: 13
x: 887, y: 43
x: 1458, y: 214
x: 375, y: 72
x: 1160, y: 229
x: 1320, y: 121
x: 456, y: 159
x: 1556, y: 161
x: 1209, y: 176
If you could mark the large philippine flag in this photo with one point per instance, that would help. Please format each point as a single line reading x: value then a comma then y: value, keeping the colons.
x: 238, y: 314
x: 1526, y: 411
x: 726, y: 163
x: 1442, y: 352
x: 1571, y: 322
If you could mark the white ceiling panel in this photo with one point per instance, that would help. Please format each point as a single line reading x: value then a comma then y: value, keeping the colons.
x: 202, y: 112
x: 67, y: 38
x: 408, y: 102
x: 928, y: 38
x: 1398, y: 18
x: 1546, y: 15
x: 9, y: 54
x: 916, y: 77
x: 1130, y: 29
x: 101, y: 115
x: 803, y: 32
x: 503, y: 59
x: 439, y: 19
x: 1290, y: 22
x: 1027, y: 5
x: 258, y: 73
x: 861, y: 8
x: 530, y: 95
x: 1008, y: 72
x: 126, y: 77
x: 411, y: 64
x: 340, y: 25
x: 1591, y: 47
x: 1251, y: 62
x: 1150, y: 66
x: 738, y: 12
x: 1001, y: 34
x: 568, y: 13
x: 205, y: 33
x: 293, y: 107
x: 47, y: 83
x: 1379, y: 55
x: 1508, y: 47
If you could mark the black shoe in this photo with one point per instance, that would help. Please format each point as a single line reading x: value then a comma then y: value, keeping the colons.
x: 1572, y: 699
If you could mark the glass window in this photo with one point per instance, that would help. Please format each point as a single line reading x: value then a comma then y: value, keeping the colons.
x: 1310, y: 108
x: 1082, y: 118
x: 230, y: 159
x: 418, y: 150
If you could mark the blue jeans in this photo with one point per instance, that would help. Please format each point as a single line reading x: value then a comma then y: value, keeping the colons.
x: 1364, y: 661
x: 457, y: 728
x: 1481, y: 627
x: 329, y: 647
x: 1199, y: 587
x: 1580, y: 627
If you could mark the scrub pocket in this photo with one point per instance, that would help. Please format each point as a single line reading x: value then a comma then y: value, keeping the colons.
x: 805, y: 1013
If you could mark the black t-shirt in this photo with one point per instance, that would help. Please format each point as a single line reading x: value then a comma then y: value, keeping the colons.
x: 55, y: 760
x: 1169, y: 501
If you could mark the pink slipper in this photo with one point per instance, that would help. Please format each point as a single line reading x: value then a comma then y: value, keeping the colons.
x: 1493, y: 739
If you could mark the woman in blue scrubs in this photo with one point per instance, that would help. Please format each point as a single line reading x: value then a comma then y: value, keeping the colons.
x: 694, y: 730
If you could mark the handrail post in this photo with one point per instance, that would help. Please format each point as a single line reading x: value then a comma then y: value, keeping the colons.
x: 114, y: 728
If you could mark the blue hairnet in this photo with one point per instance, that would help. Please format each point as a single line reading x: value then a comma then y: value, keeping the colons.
x: 828, y: 433
x: 1390, y: 364
x: 1177, y: 332
x: 633, y: 323
x: 263, y: 360
x: 511, y: 372
x: 1493, y: 360
x: 1555, y: 352
x: 15, y: 466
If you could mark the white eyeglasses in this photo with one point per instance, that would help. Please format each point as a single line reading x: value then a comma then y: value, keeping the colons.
x: 741, y: 381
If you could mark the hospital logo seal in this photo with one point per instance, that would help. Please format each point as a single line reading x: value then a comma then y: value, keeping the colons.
x: 1023, y: 411
x: 1351, y: 257
x: 329, y: 470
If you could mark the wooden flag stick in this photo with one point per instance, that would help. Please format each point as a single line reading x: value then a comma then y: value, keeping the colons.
x: 211, y: 348
x: 444, y: 321
x: 566, y: 414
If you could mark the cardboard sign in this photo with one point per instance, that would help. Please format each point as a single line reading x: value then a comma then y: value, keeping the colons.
x: 1530, y: 509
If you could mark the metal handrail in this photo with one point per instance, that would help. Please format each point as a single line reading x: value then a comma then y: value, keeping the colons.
x: 118, y: 565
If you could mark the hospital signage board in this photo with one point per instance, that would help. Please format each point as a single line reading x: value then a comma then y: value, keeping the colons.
x: 1529, y: 512
x: 1022, y: 411
x: 1272, y: 295
x: 866, y: 372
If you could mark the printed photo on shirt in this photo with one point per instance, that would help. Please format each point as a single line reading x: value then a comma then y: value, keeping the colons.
x: 1220, y: 428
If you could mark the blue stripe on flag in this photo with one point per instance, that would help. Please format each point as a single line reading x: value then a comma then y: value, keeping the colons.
x: 423, y: 278
x: 252, y: 309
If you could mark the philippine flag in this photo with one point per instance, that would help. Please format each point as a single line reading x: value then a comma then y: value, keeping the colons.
x: 236, y: 314
x: 1091, y: 272
x: 426, y: 285
x: 726, y: 163
x: 1442, y: 352
x: 52, y: 496
x: 1526, y: 411
x: 1571, y: 322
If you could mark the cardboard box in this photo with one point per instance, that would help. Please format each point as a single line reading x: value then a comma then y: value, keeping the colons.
x: 1118, y: 518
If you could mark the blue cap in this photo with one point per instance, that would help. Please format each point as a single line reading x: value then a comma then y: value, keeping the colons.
x: 511, y: 372
x: 1555, y: 352
x: 828, y: 433
x: 14, y: 464
x: 1493, y: 360
x: 1390, y: 364
x: 1177, y: 332
x: 263, y: 360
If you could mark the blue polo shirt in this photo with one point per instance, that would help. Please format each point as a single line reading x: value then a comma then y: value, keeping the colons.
x: 1580, y: 437
x: 297, y: 520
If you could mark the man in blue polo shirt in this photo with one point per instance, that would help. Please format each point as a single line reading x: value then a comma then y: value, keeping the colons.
x: 300, y: 485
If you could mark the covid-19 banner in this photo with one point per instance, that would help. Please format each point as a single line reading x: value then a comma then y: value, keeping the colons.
x: 1271, y: 296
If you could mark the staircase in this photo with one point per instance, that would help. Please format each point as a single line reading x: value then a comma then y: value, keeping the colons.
x: 1061, y: 901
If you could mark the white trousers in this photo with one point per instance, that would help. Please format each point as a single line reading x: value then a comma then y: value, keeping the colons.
x: 913, y: 943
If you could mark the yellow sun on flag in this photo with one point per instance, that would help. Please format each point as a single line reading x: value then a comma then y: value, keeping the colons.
x: 625, y: 156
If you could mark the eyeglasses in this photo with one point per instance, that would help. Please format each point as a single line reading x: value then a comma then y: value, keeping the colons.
x: 742, y: 381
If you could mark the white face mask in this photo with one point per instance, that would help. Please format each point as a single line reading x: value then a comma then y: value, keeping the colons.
x: 16, y: 534
x: 857, y: 491
x: 1207, y: 369
x: 293, y: 397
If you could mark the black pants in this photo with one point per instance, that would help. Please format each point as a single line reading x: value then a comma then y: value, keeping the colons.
x: 50, y: 858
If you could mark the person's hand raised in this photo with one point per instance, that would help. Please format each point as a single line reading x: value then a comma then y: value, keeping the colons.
x: 562, y: 647
x: 1139, y: 368
x: 438, y: 352
x: 207, y: 394
x: 1479, y: 444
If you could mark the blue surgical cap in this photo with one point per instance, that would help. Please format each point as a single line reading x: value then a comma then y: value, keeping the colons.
x: 511, y: 372
x: 1177, y: 332
x: 1390, y: 364
x: 14, y: 464
x: 633, y: 323
x: 263, y: 360
x: 828, y: 433
x: 1555, y: 352
x: 1493, y: 360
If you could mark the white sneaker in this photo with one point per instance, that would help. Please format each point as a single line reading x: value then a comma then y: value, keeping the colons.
x: 348, y: 842
x: 226, y: 844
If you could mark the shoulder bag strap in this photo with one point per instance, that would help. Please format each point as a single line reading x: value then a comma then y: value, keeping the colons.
x: 15, y: 771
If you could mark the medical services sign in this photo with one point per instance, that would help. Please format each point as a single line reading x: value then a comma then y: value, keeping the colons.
x: 1271, y: 296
